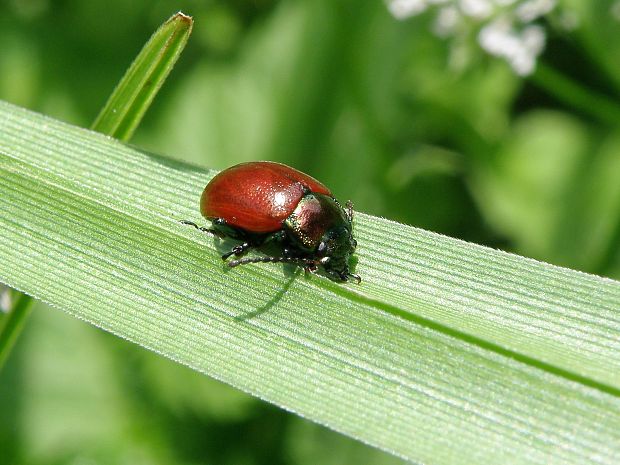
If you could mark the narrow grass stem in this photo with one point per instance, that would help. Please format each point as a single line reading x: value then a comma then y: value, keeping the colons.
x: 575, y: 95
x: 13, y: 323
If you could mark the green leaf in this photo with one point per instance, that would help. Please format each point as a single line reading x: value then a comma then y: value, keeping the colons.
x: 119, y: 118
x: 447, y: 353
x: 553, y: 189
x: 11, y: 325
x: 137, y: 89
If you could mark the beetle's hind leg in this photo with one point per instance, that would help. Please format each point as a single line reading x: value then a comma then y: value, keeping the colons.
x: 204, y: 229
x: 252, y: 242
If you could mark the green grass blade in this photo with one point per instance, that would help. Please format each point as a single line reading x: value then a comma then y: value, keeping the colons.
x: 447, y: 353
x: 133, y: 95
x: 119, y: 118
x: 573, y: 93
x: 12, y: 323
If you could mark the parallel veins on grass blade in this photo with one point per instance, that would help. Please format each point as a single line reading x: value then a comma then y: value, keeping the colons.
x: 119, y: 118
x: 451, y: 354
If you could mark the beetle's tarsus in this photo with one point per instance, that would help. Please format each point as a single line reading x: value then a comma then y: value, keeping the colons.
x: 201, y: 228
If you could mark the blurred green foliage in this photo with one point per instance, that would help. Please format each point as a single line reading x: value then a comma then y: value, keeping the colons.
x: 369, y: 105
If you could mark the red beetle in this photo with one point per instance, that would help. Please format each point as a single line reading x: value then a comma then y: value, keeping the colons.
x: 262, y: 202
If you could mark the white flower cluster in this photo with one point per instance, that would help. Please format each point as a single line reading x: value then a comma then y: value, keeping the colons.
x: 504, y: 27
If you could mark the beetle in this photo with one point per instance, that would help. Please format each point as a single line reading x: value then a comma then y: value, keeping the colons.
x: 267, y: 202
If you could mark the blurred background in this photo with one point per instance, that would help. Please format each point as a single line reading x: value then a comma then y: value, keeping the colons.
x: 494, y: 121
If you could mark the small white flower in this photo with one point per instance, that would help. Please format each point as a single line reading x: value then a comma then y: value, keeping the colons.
x: 520, y: 50
x: 504, y: 27
x: 403, y: 9
x: 533, y: 9
x: 533, y: 38
x: 447, y: 20
x: 478, y: 9
x: 497, y: 38
x: 504, y: 2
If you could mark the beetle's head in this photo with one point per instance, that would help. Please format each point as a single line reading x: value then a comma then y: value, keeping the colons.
x: 334, y: 250
x: 322, y: 229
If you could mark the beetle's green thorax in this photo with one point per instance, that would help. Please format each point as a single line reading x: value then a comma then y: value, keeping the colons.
x: 321, y: 227
x: 315, y: 216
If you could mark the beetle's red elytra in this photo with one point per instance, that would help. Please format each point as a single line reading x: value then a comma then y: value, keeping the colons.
x: 267, y: 202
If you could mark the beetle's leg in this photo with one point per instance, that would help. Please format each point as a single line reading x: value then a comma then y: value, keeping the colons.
x: 343, y: 275
x: 202, y: 228
x: 252, y: 242
x: 311, y: 268
x: 238, y: 250
x: 303, y: 262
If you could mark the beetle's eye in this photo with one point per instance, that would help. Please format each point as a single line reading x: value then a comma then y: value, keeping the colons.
x: 321, y: 248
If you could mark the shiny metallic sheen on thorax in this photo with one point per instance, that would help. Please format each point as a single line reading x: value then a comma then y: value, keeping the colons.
x: 314, y: 215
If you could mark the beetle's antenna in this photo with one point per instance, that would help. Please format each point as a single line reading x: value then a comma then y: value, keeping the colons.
x: 305, y: 262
